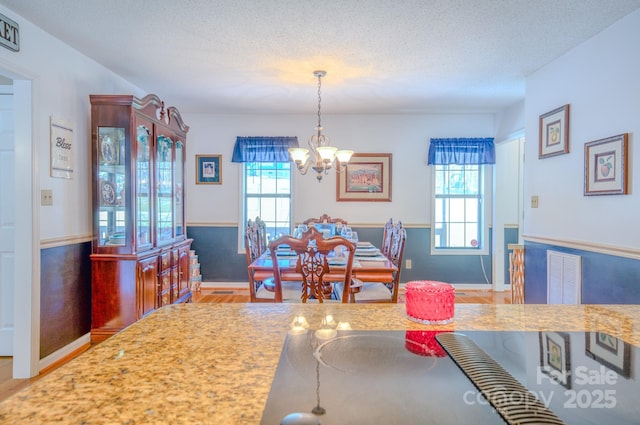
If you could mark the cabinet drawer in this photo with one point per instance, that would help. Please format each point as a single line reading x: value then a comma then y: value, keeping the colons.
x: 165, y: 261
x: 174, y: 275
x: 164, y: 298
x: 164, y: 281
x: 174, y: 257
x: 175, y: 293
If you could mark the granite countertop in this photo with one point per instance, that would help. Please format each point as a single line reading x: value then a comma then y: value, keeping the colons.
x: 214, y: 363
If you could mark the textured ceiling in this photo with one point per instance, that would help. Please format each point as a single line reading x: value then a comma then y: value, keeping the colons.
x: 381, y: 56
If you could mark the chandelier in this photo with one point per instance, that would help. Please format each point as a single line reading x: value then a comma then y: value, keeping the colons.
x: 324, y: 156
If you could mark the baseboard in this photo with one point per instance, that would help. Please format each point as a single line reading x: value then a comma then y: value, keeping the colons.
x: 472, y: 286
x: 65, y: 353
x: 460, y: 286
x: 224, y: 285
x: 464, y: 286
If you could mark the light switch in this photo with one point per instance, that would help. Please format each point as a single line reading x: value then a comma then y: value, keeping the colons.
x: 534, y: 201
x: 46, y: 197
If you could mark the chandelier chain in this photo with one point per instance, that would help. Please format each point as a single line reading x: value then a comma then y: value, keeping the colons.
x: 319, y: 100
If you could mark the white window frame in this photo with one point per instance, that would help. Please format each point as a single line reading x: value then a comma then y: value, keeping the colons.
x: 485, y: 214
x: 243, y: 218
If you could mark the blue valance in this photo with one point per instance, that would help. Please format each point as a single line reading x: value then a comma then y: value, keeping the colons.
x: 263, y: 149
x: 472, y: 151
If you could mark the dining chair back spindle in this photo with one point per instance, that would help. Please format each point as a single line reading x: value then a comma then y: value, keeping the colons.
x: 386, y: 237
x: 262, y: 235
x: 320, y: 262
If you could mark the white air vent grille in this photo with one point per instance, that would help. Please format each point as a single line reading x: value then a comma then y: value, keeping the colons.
x: 564, y: 278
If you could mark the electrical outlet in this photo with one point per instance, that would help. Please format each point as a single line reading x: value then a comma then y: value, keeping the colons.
x: 46, y: 197
x: 534, y: 201
x: 407, y: 264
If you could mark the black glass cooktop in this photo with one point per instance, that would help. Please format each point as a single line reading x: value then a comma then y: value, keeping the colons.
x: 407, y: 377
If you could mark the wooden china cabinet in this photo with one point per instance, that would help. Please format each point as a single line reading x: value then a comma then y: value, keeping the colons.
x: 140, y: 251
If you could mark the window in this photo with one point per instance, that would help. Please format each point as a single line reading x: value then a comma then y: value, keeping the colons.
x: 459, y: 188
x: 267, y: 182
x: 458, y: 208
x: 267, y: 194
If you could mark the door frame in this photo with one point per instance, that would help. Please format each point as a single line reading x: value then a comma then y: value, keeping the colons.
x: 26, y: 337
x: 499, y: 283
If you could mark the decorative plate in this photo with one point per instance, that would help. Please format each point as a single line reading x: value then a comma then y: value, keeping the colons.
x: 109, y: 151
x: 108, y: 192
x: 367, y: 253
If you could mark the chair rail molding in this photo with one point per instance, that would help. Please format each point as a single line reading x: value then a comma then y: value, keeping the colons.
x: 587, y: 246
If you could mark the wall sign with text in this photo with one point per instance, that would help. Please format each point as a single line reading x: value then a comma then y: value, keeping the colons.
x: 61, y: 148
x: 9, y: 33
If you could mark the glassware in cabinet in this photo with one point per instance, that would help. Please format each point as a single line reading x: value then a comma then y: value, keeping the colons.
x: 112, y: 182
x: 178, y: 189
x: 143, y: 185
x: 164, y: 189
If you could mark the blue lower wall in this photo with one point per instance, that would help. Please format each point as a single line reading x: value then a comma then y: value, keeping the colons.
x: 217, y: 250
x: 65, y: 295
x: 606, y: 279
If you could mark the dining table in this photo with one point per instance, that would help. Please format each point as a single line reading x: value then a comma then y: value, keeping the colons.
x: 369, y: 265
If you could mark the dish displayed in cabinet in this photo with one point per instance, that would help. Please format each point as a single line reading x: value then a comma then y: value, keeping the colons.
x: 108, y: 193
x: 109, y: 151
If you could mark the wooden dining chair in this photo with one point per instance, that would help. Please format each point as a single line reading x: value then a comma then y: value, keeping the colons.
x: 316, y: 264
x: 331, y: 226
x: 253, y: 249
x: 384, y: 292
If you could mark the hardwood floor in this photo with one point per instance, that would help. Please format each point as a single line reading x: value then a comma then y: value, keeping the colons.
x: 10, y: 386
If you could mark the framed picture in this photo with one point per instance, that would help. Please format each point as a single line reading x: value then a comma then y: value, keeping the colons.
x: 609, y: 351
x: 605, y: 166
x: 554, y: 132
x: 366, y: 177
x: 208, y: 169
x: 555, y: 355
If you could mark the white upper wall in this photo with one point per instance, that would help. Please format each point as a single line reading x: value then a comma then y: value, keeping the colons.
x: 599, y: 79
x: 510, y: 122
x: 62, y: 80
x: 406, y: 137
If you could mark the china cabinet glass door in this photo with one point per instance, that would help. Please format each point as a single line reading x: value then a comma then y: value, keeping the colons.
x: 112, y: 182
x: 179, y: 206
x: 164, y: 190
x: 143, y: 186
